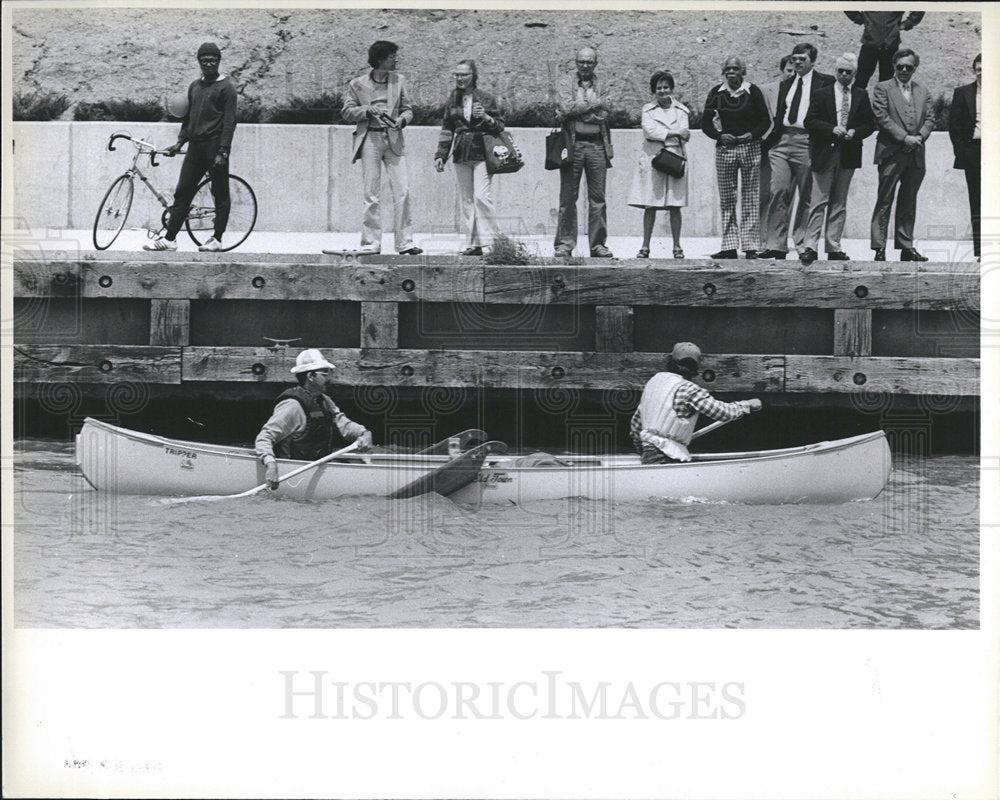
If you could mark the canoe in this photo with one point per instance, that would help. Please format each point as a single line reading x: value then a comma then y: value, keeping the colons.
x: 114, y: 459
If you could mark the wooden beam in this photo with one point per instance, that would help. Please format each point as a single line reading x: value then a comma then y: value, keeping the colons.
x: 928, y: 376
x: 380, y: 325
x: 169, y: 322
x: 96, y: 363
x: 614, y: 329
x: 852, y: 332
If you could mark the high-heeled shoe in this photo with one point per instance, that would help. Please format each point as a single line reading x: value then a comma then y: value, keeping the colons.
x: 678, y: 253
x: 643, y: 253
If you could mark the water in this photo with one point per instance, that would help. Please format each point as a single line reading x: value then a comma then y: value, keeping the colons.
x: 83, y: 559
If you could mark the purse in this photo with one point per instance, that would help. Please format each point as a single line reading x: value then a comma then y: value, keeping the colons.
x: 669, y: 163
x: 556, y: 150
x: 502, y: 154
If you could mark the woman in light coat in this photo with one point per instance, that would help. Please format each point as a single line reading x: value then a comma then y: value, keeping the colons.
x: 664, y: 123
x: 468, y: 114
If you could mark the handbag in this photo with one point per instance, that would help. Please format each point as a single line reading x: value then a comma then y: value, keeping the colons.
x: 556, y: 149
x: 670, y: 163
x: 502, y: 154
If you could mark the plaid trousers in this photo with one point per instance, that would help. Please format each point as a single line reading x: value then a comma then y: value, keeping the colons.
x: 745, y: 158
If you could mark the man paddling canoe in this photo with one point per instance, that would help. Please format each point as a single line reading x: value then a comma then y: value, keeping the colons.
x: 663, y: 424
x: 306, y: 424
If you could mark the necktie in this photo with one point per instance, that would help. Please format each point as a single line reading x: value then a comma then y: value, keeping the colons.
x: 793, y: 111
x: 845, y: 106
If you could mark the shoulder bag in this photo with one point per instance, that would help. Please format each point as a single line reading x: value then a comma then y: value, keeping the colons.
x: 502, y: 154
x: 669, y: 163
x: 556, y: 149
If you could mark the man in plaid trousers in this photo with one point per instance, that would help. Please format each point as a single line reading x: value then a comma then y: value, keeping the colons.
x: 736, y: 117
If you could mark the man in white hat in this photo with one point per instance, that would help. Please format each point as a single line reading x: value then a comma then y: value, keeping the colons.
x: 306, y: 424
x: 668, y: 410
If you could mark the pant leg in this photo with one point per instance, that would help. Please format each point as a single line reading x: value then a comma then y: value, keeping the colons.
x: 192, y: 171
x: 782, y: 187
x: 836, y: 213
x: 399, y: 182
x: 569, y: 190
x: 748, y: 154
x: 485, y: 220
x: 464, y: 176
x: 802, y: 181
x: 220, y: 191
x: 822, y: 181
x: 973, y: 181
x: 885, y: 69
x: 726, y: 168
x: 888, y: 179
x: 765, y: 192
x: 867, y: 61
x: 906, y: 201
x: 596, y: 167
x: 371, y: 175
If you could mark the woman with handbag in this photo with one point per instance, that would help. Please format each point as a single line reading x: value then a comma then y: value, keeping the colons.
x: 468, y: 114
x: 664, y: 128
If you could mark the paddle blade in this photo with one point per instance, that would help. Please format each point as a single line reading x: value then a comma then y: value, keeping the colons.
x: 453, y: 475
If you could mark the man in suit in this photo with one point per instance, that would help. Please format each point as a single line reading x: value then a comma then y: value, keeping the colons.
x: 377, y: 101
x: 839, y: 119
x: 584, y: 103
x: 905, y: 120
x: 770, y: 92
x: 965, y: 126
x: 880, y: 40
x: 788, y: 153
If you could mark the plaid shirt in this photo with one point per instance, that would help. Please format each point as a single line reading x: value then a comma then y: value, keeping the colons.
x: 692, y: 399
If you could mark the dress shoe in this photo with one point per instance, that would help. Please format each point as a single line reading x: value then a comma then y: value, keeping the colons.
x: 750, y: 255
x: 600, y: 251
x: 774, y: 254
x: 911, y: 254
x: 808, y: 255
x: 563, y: 252
x: 411, y: 251
x: 725, y: 254
x: 837, y: 255
x: 472, y: 251
x: 879, y: 254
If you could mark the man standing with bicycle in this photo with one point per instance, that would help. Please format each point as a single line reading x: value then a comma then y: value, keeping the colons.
x: 207, y: 129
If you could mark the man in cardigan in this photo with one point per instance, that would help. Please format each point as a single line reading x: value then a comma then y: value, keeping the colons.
x: 583, y: 106
x: 207, y: 129
x: 377, y: 101
x: 905, y: 120
x: 965, y: 127
x: 839, y: 119
x: 736, y: 117
x: 788, y: 153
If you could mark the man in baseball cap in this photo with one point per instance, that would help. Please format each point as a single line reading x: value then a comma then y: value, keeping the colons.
x: 668, y: 410
x: 306, y: 424
x: 207, y: 129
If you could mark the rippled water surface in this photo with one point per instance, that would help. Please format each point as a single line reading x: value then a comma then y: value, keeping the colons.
x: 909, y: 559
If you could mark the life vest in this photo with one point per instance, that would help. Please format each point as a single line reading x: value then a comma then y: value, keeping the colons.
x: 320, y: 436
x: 662, y: 427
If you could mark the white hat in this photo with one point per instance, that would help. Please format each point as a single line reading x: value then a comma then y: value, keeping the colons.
x: 309, y: 360
x: 847, y: 61
x: 684, y: 350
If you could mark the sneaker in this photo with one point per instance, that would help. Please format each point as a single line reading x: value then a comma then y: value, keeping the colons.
x: 160, y: 243
x: 600, y: 251
x: 211, y: 246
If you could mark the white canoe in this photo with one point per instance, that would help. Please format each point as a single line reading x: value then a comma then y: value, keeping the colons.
x: 115, y: 459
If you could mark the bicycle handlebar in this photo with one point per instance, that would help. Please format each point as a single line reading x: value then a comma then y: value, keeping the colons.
x: 141, y: 145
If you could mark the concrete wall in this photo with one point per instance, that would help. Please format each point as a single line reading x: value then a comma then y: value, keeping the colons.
x: 305, y: 181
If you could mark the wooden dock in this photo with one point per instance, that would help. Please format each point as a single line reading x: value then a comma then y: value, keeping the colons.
x: 767, y: 327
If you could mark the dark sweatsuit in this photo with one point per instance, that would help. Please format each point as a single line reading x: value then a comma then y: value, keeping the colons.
x: 207, y: 129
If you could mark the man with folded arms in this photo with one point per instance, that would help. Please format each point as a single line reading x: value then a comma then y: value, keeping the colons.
x: 905, y: 120
x: 839, y: 119
x: 788, y: 152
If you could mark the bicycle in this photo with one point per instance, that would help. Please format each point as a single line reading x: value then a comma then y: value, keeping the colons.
x: 200, y: 222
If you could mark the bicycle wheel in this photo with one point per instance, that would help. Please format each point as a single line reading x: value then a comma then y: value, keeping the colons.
x: 200, y: 221
x: 113, y: 212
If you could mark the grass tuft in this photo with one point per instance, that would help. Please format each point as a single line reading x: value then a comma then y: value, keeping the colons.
x: 39, y: 106
x: 510, y: 252
x: 120, y: 111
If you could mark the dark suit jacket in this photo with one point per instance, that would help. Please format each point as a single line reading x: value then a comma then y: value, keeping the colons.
x: 819, y: 80
x: 962, y: 122
x: 821, y: 119
x: 895, y: 120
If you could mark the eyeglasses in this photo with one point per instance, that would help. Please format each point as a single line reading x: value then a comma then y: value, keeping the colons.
x: 800, y: 59
x: 905, y: 67
x: 580, y: 63
x: 845, y: 71
x: 462, y: 74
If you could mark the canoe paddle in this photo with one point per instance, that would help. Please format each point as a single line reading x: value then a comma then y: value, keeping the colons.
x: 209, y: 498
x: 710, y: 428
x: 441, y: 448
x: 453, y: 475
